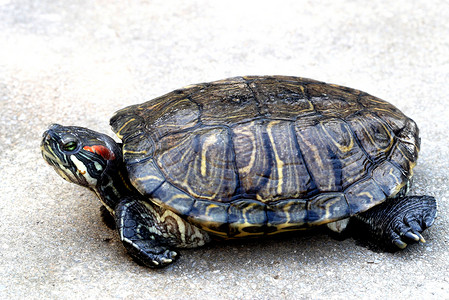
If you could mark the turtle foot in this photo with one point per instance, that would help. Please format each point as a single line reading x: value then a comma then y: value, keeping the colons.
x: 418, y: 214
x: 142, y: 238
x: 399, y: 222
x: 153, y: 257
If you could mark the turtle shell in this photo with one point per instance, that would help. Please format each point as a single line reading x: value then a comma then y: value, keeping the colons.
x: 259, y: 155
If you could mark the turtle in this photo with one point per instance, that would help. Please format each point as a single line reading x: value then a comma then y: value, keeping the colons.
x: 248, y: 157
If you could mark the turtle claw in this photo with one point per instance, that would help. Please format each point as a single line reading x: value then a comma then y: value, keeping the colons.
x: 168, y: 257
x: 151, y: 256
x: 405, y: 236
x: 400, y: 244
x: 421, y: 239
x: 161, y: 260
x: 412, y: 236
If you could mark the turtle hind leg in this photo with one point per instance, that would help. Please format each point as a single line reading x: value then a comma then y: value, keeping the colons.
x: 150, y: 233
x: 398, y: 221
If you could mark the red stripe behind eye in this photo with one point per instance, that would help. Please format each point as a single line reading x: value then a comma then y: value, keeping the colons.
x: 101, y: 150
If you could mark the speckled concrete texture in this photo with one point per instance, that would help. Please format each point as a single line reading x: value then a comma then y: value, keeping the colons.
x: 76, y: 62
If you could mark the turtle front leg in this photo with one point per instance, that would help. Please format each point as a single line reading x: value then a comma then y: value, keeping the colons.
x: 400, y: 221
x: 150, y: 233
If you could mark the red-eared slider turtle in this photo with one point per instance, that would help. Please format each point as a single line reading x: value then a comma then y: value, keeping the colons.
x: 248, y: 156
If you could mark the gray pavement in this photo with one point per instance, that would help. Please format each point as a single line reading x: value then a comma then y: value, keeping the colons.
x: 76, y: 62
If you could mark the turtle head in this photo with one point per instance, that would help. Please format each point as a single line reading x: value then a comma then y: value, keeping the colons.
x: 80, y: 155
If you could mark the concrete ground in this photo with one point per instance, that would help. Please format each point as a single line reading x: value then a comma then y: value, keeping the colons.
x: 76, y: 62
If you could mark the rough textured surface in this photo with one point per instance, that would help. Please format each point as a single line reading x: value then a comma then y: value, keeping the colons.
x: 76, y: 63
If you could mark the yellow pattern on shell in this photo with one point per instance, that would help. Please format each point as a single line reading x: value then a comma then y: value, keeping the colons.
x: 279, y: 162
x: 123, y: 126
x: 340, y: 147
x: 210, y: 140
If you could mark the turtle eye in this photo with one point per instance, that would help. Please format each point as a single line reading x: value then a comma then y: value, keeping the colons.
x: 70, y: 146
